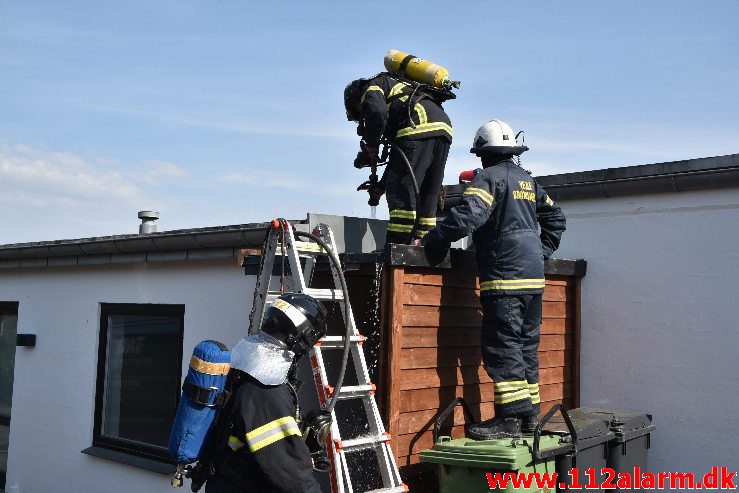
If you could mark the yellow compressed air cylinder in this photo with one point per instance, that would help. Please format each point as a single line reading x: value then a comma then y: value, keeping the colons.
x: 417, y: 69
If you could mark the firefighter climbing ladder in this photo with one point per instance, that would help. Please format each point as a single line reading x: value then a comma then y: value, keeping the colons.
x: 296, y: 281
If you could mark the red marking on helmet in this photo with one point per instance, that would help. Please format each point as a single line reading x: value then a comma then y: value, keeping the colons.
x: 468, y: 175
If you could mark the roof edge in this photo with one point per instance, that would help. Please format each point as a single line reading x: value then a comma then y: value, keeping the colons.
x: 675, y: 176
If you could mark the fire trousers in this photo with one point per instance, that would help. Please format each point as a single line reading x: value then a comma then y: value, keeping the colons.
x: 510, y: 340
x: 408, y: 219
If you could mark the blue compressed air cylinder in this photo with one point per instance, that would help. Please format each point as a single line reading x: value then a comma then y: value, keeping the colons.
x: 209, y: 366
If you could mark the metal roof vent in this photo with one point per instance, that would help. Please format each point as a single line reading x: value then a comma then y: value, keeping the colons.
x: 147, y: 225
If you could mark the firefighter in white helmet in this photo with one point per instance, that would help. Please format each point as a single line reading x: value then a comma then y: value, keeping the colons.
x: 515, y: 226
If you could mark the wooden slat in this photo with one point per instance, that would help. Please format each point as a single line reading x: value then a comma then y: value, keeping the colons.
x: 553, y: 292
x: 433, y: 277
x: 431, y: 337
x: 416, y: 337
x: 417, y: 421
x: 470, y: 356
x: 556, y: 309
x: 440, y: 357
x: 556, y: 326
x: 438, y: 398
x: 436, y: 295
x: 463, y: 279
x: 550, y: 359
x: 555, y: 342
x: 434, y: 316
x: 394, y: 351
x: 559, y: 280
x: 442, y: 377
x: 428, y: 316
x: 416, y: 294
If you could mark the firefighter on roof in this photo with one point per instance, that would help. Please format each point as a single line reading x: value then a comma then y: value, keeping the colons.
x: 515, y: 227
x: 265, y: 450
x: 388, y: 107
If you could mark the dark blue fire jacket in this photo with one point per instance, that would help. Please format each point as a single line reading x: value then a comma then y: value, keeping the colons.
x: 504, y: 209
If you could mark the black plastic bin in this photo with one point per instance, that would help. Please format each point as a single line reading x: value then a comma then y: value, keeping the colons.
x: 629, y: 448
x: 591, y: 445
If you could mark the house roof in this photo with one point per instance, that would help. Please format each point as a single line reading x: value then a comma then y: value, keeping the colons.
x: 180, y: 244
x: 353, y: 234
x: 676, y: 176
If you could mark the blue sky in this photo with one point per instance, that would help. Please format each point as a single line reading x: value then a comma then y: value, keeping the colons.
x: 230, y: 112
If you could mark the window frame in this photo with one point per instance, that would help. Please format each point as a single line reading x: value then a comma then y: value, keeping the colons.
x: 139, y: 309
x: 9, y: 308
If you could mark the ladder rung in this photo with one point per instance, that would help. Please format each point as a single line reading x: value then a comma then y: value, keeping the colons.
x: 319, y: 294
x: 356, y: 391
x: 395, y: 489
x: 305, y: 248
x: 325, y: 294
x: 334, y: 342
x: 362, y: 443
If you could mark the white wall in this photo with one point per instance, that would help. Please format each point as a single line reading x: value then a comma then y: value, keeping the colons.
x: 54, y: 387
x: 660, y: 317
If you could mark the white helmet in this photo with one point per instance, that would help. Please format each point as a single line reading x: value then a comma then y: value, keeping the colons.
x: 496, y: 138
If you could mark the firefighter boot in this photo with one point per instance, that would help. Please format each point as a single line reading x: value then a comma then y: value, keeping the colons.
x: 495, y: 428
x: 529, y: 424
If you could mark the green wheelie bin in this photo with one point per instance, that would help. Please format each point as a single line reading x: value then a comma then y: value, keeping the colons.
x: 469, y: 466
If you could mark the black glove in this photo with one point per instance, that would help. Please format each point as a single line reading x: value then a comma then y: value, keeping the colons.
x: 434, y: 255
x: 315, y: 428
x: 367, y: 157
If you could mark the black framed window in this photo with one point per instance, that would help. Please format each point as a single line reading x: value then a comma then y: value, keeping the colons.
x: 138, y: 377
x: 8, y: 328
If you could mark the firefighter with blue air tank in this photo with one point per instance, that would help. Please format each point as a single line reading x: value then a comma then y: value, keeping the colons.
x: 515, y: 227
x: 264, y: 445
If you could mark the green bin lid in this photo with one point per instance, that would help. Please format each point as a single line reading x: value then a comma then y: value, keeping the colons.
x: 504, y: 454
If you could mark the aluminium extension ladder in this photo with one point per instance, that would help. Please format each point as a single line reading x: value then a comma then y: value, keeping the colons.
x: 281, y: 242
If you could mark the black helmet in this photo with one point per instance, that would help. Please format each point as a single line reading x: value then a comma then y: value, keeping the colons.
x: 352, y: 98
x: 296, y: 319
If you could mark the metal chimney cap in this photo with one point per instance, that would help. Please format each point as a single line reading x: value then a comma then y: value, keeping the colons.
x: 149, y: 215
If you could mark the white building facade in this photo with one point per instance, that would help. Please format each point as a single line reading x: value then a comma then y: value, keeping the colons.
x: 660, y: 317
x: 115, y: 320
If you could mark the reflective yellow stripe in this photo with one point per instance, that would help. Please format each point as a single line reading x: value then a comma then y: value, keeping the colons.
x: 272, y: 432
x: 400, y: 228
x: 428, y: 221
x: 202, y: 366
x: 372, y: 88
x: 501, y: 284
x: 420, y: 233
x: 397, y: 89
x: 534, y: 391
x: 479, y: 192
x: 234, y: 443
x: 426, y: 127
x: 405, y: 214
x: 549, y: 201
x: 512, y: 385
x: 512, y: 288
x: 515, y: 396
x: 422, y: 118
